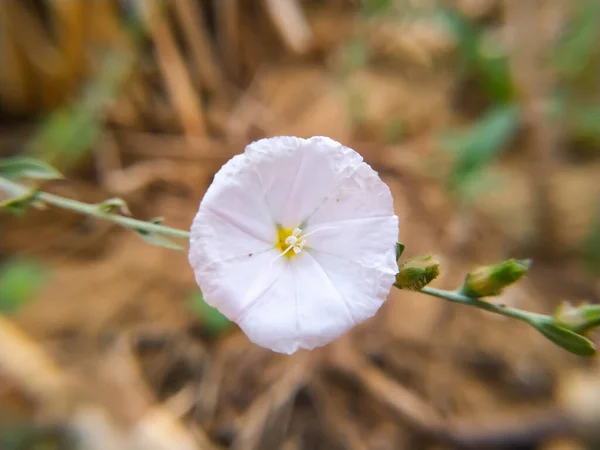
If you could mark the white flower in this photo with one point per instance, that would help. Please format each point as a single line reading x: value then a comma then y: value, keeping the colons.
x: 294, y: 241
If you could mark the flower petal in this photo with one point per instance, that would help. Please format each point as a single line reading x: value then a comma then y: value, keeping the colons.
x: 234, y: 286
x: 299, y: 174
x: 363, y: 289
x: 271, y: 322
x: 302, y: 309
x: 236, y: 196
x: 369, y: 241
x: 215, y: 238
x: 361, y: 195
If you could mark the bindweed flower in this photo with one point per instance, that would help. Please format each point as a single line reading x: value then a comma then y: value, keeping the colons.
x: 294, y: 241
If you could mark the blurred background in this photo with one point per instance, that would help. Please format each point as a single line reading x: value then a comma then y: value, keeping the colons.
x: 483, y: 117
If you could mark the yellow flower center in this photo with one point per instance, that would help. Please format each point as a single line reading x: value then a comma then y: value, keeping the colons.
x: 290, y: 242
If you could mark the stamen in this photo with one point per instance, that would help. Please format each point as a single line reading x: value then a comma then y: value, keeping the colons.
x: 295, y: 241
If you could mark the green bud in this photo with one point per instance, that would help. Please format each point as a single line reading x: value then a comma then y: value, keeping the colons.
x: 114, y: 205
x: 578, y: 319
x: 418, y: 272
x: 565, y: 338
x: 491, y: 280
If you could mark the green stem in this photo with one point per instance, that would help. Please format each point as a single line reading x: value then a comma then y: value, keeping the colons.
x: 93, y: 210
x: 458, y: 297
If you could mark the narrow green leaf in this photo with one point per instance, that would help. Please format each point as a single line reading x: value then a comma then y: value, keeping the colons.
x: 481, y: 145
x: 159, y: 241
x: 25, y: 167
x: 567, y: 339
x: 66, y: 136
x: 579, y: 41
x: 376, y: 7
x: 19, y: 282
x: 584, y: 122
x: 480, y: 54
x: 215, y: 322
x: 464, y: 32
x: 19, y: 205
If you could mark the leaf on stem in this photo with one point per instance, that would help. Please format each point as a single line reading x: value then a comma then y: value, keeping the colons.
x: 19, y: 205
x: 25, y: 167
x: 565, y: 338
x: 158, y: 240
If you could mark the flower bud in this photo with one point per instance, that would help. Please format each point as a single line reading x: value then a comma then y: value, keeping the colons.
x: 565, y: 338
x: 568, y: 316
x: 491, y: 280
x: 417, y: 272
x: 577, y: 318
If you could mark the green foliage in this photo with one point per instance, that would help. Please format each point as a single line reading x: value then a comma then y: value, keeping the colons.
x: 353, y: 55
x: 481, y: 55
x: 159, y: 241
x: 576, y: 59
x: 590, y: 250
x: 156, y: 239
x: 479, y: 146
x: 215, y: 322
x: 68, y: 134
x: 21, y: 204
x: 23, y: 167
x: 20, y: 281
x: 565, y: 338
x: 31, y: 437
x: 584, y: 122
x: 580, y: 41
x: 376, y: 7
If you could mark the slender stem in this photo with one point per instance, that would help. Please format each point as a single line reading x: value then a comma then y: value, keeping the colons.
x: 458, y: 297
x: 93, y: 210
